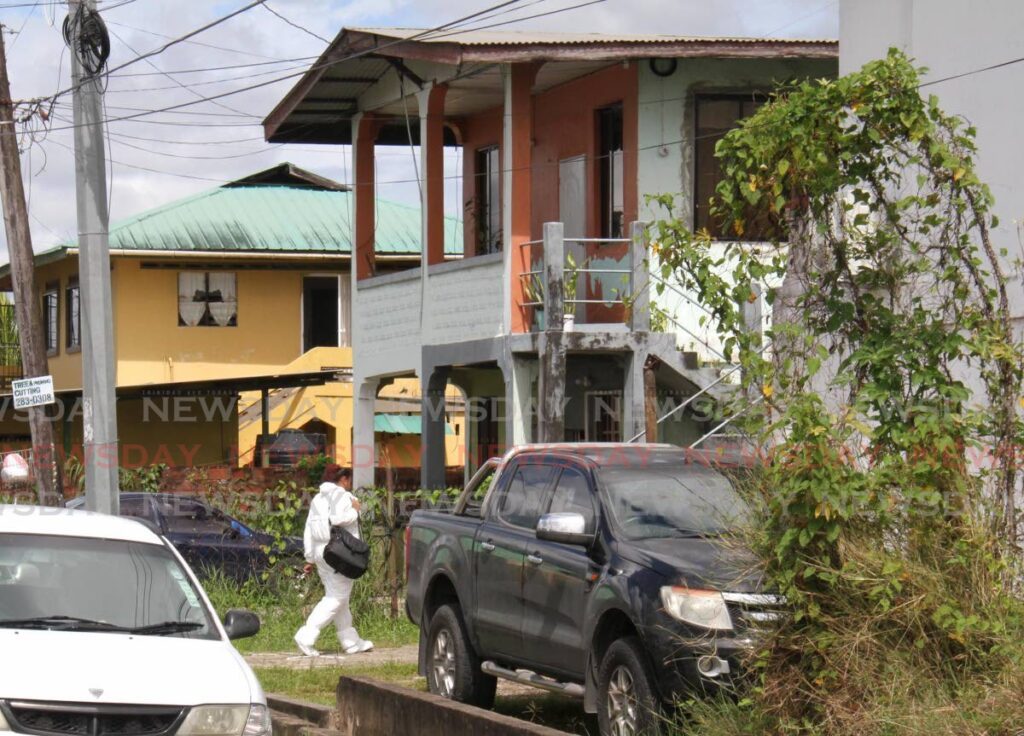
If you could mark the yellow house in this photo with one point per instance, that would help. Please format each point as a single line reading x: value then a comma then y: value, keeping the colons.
x: 231, y: 313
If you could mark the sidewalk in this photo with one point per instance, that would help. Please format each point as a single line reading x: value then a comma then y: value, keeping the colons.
x: 296, y: 661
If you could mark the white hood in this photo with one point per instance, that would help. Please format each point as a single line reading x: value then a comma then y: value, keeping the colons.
x: 145, y: 670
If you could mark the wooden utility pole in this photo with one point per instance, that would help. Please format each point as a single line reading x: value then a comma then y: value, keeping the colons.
x: 26, y: 305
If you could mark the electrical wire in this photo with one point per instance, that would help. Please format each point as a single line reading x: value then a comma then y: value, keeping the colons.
x: 293, y: 24
x: 199, y: 43
x: 354, y: 55
x: 151, y: 63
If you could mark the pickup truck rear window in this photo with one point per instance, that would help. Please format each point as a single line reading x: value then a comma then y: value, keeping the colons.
x: 680, y: 501
x: 520, y: 506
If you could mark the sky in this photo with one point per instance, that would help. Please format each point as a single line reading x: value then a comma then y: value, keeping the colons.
x: 163, y: 157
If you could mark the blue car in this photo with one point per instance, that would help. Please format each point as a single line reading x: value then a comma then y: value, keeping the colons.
x: 208, y: 539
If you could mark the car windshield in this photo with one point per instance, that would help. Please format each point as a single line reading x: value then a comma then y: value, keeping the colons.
x: 74, y: 583
x: 671, y: 500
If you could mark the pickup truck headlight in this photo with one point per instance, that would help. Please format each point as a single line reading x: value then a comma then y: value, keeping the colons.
x: 703, y: 608
x: 227, y: 720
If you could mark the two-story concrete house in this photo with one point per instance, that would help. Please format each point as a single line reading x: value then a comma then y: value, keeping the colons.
x: 544, y: 323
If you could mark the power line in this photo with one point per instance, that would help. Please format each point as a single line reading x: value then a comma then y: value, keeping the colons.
x: 354, y: 55
x: 173, y: 42
x: 215, y: 47
x: 225, y: 67
x: 294, y: 24
x: 972, y: 72
x: 152, y: 64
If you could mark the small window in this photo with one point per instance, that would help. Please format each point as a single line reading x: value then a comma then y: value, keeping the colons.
x: 488, y: 200
x: 51, y: 318
x: 207, y: 299
x: 572, y: 495
x: 715, y: 116
x: 73, y: 315
x: 520, y: 506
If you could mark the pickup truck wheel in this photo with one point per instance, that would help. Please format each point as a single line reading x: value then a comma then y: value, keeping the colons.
x: 453, y: 669
x: 627, y: 703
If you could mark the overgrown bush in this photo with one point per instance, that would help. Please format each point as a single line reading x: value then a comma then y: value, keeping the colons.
x: 886, y: 393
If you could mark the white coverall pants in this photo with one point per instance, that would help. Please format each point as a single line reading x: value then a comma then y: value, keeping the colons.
x: 332, y: 608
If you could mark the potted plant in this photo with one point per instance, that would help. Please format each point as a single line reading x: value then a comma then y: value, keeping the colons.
x: 569, y: 282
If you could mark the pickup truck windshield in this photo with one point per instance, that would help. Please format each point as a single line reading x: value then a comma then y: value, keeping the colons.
x: 671, y: 501
x: 99, y: 585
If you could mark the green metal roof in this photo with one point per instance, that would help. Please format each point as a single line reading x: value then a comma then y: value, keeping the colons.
x: 272, y: 218
x: 401, y: 424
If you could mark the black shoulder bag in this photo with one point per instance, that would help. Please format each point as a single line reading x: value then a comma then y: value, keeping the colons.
x: 347, y: 554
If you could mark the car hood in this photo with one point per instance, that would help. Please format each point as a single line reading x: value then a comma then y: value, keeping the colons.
x: 700, y: 562
x: 74, y: 666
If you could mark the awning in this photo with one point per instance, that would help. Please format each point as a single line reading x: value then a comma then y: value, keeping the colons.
x: 401, y: 424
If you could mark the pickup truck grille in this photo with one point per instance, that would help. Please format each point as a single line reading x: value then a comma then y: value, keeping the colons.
x: 754, y: 611
x: 81, y: 719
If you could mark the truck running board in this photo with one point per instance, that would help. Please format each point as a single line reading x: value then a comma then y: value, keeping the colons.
x: 526, y: 677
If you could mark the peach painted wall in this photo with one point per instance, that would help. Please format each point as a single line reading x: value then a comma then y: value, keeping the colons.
x: 564, y: 125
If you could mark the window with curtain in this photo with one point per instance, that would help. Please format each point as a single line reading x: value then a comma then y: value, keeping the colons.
x: 73, y: 315
x: 207, y: 299
x: 51, y: 318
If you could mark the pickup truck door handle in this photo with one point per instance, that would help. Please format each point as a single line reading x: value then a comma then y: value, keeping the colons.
x: 534, y: 559
x: 487, y: 546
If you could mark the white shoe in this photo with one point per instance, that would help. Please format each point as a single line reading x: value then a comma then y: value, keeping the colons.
x: 307, y: 650
x: 362, y: 646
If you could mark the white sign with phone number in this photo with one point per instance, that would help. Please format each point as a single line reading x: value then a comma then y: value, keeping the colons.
x: 32, y: 391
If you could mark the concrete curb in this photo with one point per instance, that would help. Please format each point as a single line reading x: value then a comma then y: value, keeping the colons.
x: 322, y: 716
x: 370, y: 708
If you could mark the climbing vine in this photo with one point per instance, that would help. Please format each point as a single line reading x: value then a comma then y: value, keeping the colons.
x: 888, y: 386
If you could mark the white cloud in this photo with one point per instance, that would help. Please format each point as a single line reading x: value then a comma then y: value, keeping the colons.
x: 210, y: 142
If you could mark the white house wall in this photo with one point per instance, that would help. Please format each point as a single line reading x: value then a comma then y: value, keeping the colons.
x: 465, y: 301
x: 666, y: 149
x: 953, y: 37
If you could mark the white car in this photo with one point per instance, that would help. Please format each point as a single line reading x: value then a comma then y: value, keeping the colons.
x: 105, y: 631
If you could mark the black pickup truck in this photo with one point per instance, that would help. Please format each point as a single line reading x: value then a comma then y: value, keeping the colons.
x: 601, y: 571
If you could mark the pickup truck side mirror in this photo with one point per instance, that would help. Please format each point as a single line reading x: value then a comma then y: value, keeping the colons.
x: 567, y: 528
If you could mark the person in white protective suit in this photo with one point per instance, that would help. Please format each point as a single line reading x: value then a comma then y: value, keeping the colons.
x: 334, y: 505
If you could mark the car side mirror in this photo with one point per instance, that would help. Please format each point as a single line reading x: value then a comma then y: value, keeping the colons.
x: 239, y: 623
x: 567, y: 528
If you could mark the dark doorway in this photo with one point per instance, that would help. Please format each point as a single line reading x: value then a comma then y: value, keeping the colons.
x: 319, y: 312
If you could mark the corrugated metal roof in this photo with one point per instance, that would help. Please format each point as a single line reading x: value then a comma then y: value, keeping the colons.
x: 522, y: 38
x: 272, y: 218
x: 400, y: 424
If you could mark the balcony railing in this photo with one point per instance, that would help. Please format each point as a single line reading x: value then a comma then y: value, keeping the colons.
x: 597, y: 287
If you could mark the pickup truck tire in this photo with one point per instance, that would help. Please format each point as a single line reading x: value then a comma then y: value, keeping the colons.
x: 627, y: 701
x: 453, y: 668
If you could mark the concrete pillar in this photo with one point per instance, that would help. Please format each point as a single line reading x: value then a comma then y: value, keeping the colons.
x: 517, y: 160
x: 520, y: 372
x: 640, y: 290
x: 633, y: 405
x: 431, y: 106
x: 364, y: 404
x: 434, y: 381
x: 551, y: 346
x: 364, y: 134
